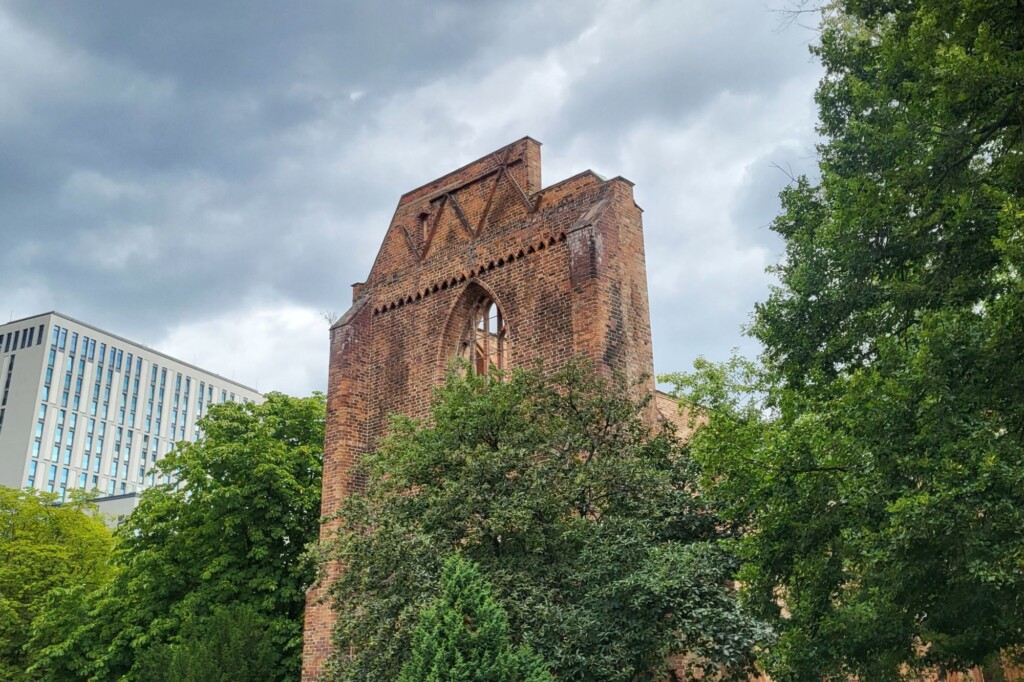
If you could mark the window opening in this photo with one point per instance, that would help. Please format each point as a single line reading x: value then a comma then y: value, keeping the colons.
x: 483, y: 341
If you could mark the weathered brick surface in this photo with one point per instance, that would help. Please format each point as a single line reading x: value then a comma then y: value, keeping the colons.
x: 564, y: 263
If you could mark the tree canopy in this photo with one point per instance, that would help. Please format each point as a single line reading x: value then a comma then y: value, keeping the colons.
x: 588, y: 526
x: 44, y: 547
x: 876, y: 457
x: 232, y: 532
x: 462, y: 635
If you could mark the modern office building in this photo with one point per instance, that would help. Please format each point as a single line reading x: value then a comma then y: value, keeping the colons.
x: 82, y: 408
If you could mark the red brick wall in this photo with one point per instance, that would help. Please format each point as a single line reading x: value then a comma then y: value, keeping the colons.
x: 565, y: 264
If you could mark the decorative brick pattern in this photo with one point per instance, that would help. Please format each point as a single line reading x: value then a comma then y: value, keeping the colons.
x: 565, y: 264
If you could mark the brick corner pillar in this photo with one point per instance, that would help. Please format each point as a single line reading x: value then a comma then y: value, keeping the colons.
x: 345, y: 440
x: 608, y: 274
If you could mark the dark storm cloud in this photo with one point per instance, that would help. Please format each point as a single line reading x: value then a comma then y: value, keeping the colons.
x: 175, y: 171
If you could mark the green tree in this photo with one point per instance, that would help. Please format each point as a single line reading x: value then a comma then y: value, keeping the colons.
x: 589, y: 528
x: 878, y: 454
x: 462, y: 636
x: 233, y: 530
x: 45, y: 547
x: 231, y: 644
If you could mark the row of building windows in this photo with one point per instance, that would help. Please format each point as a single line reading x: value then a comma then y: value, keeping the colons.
x: 21, y: 338
x: 116, y: 360
x: 84, y: 481
x: 120, y: 452
x: 68, y: 376
x: 7, y: 386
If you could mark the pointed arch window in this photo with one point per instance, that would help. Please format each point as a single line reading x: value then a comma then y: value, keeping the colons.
x: 483, y: 342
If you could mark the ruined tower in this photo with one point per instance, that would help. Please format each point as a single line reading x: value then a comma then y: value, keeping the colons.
x: 486, y: 264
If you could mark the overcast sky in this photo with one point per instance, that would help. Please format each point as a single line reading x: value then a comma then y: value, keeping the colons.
x: 207, y: 178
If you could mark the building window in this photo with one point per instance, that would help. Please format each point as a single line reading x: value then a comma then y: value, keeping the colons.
x: 483, y: 342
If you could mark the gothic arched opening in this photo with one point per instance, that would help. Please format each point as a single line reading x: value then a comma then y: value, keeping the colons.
x: 484, y: 336
x: 478, y: 331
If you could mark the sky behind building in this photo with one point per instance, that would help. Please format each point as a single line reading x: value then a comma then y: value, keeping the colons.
x: 208, y: 178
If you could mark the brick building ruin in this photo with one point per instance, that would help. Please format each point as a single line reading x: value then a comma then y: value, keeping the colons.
x: 486, y: 264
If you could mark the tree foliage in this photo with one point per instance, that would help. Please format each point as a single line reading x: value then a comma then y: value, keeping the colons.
x: 876, y: 458
x: 45, y: 547
x: 589, y: 528
x: 232, y: 531
x: 231, y: 644
x: 462, y: 635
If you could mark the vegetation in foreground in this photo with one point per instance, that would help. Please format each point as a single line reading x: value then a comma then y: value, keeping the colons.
x: 590, y: 530
x: 45, y: 548
x: 208, y: 578
x: 877, y: 452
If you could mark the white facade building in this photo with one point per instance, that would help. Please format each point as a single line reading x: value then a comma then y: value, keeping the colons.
x: 82, y: 408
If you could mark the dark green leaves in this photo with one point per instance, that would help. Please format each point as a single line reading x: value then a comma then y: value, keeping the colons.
x: 588, y: 527
x: 462, y: 635
x: 877, y: 458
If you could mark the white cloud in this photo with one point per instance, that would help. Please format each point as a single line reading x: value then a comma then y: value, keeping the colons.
x: 273, y: 346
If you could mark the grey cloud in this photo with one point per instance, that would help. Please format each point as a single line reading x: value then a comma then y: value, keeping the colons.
x: 757, y: 201
x: 165, y: 162
x: 669, y: 59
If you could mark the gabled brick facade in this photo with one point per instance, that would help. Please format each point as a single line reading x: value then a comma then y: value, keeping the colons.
x: 565, y: 264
